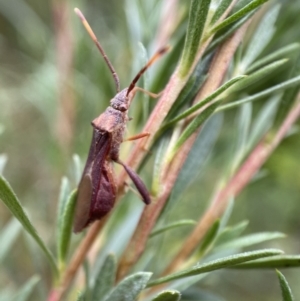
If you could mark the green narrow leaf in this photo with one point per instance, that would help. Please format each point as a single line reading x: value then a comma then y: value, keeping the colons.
x: 65, y: 230
x: 10, y: 200
x: 144, y: 58
x: 193, y: 126
x: 205, y: 101
x: 169, y: 295
x: 240, y: 4
x: 230, y: 233
x: 282, y: 52
x: 226, y: 32
x: 81, y: 297
x: 86, y: 269
x: 209, y: 238
x: 295, y: 81
x: 159, y: 158
x: 129, y: 288
x: 262, y: 36
x: 197, y: 19
x: 285, y: 105
x: 243, y: 129
x: 198, y: 156
x: 8, y: 236
x: 285, y: 288
x: 184, y: 222
x: 222, y: 263
x: 77, y: 168
x: 227, y: 214
x: 3, y: 160
x: 260, y: 74
x: 185, y: 93
x: 25, y: 291
x: 185, y: 283
x: 105, y: 279
x: 62, y: 200
x: 289, y: 96
x: 193, y: 85
x: 281, y: 261
x: 239, y: 14
x: 250, y: 240
x: 220, y: 10
x: 264, y: 121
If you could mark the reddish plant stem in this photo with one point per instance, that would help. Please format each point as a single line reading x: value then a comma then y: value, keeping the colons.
x: 147, y: 221
x: 234, y: 186
x: 158, y: 115
x: 149, y: 216
x: 150, y: 213
x: 155, y: 120
x: 170, y: 93
x: 221, y: 63
x: 219, y: 67
x: 57, y: 293
x: 92, y: 232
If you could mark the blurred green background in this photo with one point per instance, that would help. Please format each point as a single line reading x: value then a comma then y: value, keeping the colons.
x: 53, y: 82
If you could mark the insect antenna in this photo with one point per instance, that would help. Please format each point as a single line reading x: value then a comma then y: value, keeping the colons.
x: 156, y: 56
x: 94, y: 38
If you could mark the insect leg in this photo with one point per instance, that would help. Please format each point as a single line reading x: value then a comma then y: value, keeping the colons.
x: 153, y: 95
x: 132, y: 189
x: 138, y: 136
x: 137, y: 181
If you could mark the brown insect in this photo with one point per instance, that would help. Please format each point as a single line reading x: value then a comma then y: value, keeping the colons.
x: 97, y: 188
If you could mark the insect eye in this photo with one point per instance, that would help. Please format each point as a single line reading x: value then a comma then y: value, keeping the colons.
x: 119, y: 105
x: 122, y: 108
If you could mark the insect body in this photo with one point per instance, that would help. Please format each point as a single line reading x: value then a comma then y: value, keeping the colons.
x: 97, y: 189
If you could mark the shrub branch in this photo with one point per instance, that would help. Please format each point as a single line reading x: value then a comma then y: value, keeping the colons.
x: 234, y: 186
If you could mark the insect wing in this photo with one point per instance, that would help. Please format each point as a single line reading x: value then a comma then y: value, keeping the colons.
x: 83, y: 203
x: 105, y: 194
x: 91, y: 178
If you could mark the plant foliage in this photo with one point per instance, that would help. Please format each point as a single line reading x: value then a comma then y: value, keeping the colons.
x: 229, y: 97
